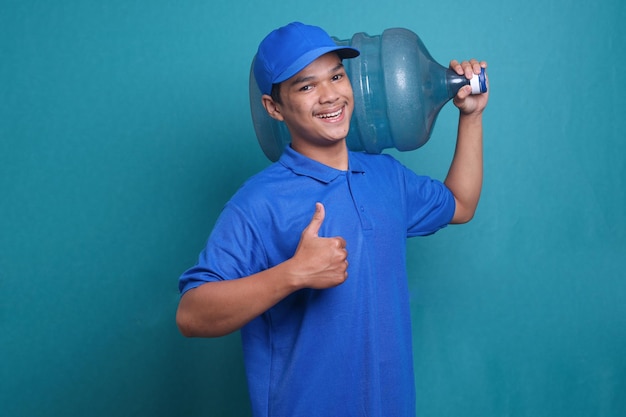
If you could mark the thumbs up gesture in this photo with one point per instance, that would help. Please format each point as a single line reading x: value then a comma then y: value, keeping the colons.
x: 320, y: 262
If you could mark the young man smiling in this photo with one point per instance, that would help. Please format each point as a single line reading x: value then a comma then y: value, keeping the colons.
x: 322, y: 302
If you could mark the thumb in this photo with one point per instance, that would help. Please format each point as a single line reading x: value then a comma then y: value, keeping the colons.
x: 317, y: 220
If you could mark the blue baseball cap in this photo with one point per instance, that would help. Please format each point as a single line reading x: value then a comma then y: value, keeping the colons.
x: 287, y: 50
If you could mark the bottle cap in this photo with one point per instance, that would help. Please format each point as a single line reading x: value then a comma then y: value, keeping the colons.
x: 479, y: 82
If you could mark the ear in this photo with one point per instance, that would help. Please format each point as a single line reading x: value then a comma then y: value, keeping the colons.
x: 272, y: 108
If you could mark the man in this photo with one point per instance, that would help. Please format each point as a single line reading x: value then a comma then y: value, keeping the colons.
x: 322, y: 302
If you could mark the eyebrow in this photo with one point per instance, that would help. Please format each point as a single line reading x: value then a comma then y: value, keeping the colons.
x: 301, y: 80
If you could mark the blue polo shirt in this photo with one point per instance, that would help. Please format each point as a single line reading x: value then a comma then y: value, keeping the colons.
x: 344, y: 351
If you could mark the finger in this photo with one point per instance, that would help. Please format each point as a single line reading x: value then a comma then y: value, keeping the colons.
x: 341, y: 242
x: 477, y: 66
x: 316, y: 222
x: 463, y: 93
x: 469, y: 68
x: 456, y: 66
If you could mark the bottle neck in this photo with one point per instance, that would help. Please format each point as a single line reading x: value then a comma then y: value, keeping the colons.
x: 455, y: 81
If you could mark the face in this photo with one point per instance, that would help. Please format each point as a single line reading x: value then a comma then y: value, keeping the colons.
x: 317, y: 103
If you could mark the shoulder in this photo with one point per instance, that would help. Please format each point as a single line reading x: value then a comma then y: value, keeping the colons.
x: 266, y: 194
x: 378, y: 161
x: 386, y: 169
x: 261, y: 183
x: 381, y: 165
x: 373, y: 159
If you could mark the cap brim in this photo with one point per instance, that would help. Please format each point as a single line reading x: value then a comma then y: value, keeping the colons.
x: 306, y: 59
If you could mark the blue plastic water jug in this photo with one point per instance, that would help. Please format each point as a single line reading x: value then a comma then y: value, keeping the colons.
x: 399, y: 90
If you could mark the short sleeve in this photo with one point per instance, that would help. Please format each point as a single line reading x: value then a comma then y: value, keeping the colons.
x: 232, y: 251
x: 430, y: 204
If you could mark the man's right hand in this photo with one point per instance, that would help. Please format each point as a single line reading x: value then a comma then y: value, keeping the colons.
x: 320, y: 262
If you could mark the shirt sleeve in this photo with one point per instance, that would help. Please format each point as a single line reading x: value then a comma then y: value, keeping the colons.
x: 430, y: 204
x: 232, y: 251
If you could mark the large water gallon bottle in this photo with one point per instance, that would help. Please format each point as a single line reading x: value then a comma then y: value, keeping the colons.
x: 399, y: 90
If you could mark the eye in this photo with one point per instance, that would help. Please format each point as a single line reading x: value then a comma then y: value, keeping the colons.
x: 306, y: 87
x: 337, y: 77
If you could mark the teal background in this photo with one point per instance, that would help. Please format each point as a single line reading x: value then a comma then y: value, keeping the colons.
x: 125, y: 126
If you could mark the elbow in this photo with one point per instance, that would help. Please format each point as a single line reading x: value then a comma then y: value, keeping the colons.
x: 467, y: 217
x: 190, y: 326
x: 187, y: 323
x: 187, y: 319
x: 462, y: 219
x: 184, y: 324
x: 465, y: 209
x: 463, y: 215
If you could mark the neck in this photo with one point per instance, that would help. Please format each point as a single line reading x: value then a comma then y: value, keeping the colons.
x: 334, y: 155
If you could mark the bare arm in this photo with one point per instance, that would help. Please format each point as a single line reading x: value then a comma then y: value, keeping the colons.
x: 218, y: 308
x: 465, y: 176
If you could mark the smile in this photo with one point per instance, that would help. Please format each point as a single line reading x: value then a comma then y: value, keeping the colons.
x: 332, y: 115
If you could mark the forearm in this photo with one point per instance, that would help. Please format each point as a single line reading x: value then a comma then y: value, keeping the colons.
x: 219, y: 308
x: 465, y: 176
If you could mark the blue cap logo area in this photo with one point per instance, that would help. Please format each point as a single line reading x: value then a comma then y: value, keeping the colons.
x: 287, y: 50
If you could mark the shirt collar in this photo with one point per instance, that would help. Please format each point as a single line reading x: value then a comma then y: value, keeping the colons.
x: 302, y: 165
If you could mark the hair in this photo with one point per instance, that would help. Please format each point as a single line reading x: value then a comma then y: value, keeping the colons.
x: 275, y: 93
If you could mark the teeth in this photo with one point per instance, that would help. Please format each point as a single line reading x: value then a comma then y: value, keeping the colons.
x: 330, y: 115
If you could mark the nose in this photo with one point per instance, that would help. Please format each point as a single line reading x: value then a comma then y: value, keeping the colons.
x: 327, y: 93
